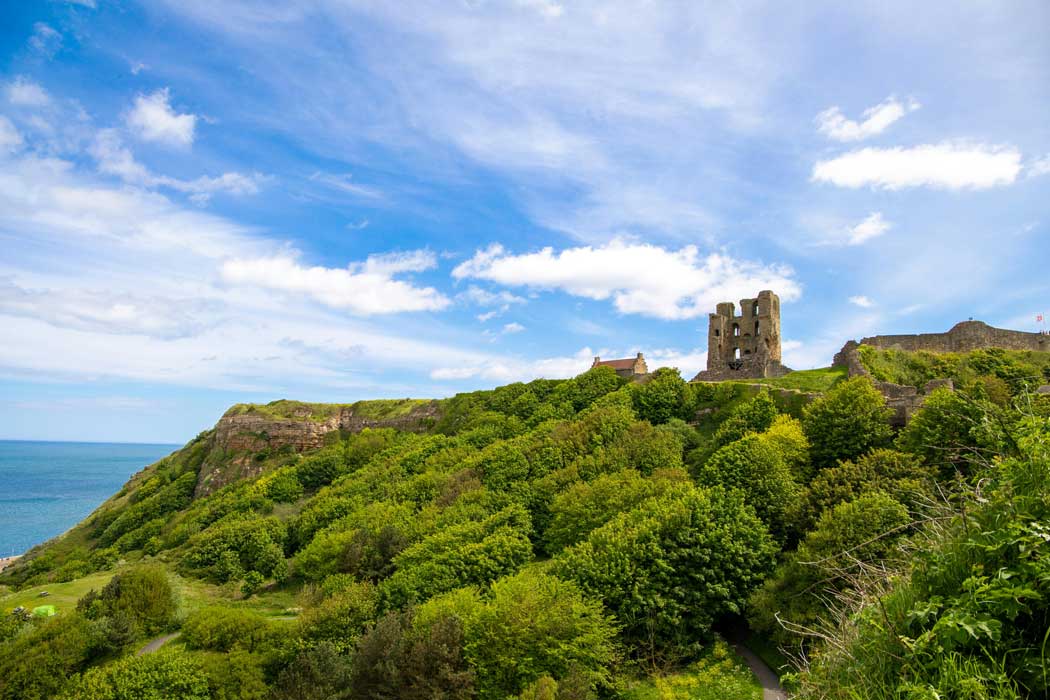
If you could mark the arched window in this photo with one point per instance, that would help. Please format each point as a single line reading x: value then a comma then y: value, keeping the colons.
x: 756, y: 329
x: 736, y: 353
x: 736, y: 330
x: 717, y: 332
x: 754, y: 309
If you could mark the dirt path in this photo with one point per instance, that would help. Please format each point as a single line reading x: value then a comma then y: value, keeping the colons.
x: 157, y: 643
x: 771, y: 688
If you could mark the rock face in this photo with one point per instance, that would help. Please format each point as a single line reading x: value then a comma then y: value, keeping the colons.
x: 240, y: 438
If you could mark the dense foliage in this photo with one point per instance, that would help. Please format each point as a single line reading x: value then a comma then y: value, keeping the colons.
x: 573, y: 539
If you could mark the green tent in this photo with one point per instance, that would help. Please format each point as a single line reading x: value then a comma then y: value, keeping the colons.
x: 44, y: 611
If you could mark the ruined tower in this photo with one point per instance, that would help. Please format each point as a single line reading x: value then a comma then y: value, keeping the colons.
x: 745, y: 346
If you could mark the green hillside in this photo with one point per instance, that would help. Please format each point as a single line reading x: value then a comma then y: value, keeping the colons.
x: 566, y: 539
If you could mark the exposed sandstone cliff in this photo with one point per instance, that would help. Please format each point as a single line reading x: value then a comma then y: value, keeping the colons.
x: 247, y: 433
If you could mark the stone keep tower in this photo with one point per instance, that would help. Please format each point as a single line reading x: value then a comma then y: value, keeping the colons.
x: 745, y: 346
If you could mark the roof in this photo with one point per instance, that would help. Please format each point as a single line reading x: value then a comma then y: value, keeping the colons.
x: 619, y: 364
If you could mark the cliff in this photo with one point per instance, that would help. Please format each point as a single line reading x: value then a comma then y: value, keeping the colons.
x: 247, y: 434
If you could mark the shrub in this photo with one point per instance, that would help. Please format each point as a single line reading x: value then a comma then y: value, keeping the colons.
x: 670, y: 567
x: 223, y: 629
x: 340, y: 619
x: 951, y: 429
x: 394, y: 659
x: 753, y: 416
x: 663, y: 397
x: 848, y: 421
x: 159, y: 676
x: 754, y: 466
x: 533, y: 625
x: 828, y: 561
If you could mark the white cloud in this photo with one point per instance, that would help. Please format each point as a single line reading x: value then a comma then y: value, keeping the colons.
x: 513, y: 328
x: 83, y: 3
x: 487, y: 316
x: 833, y: 124
x: 639, y: 278
x: 861, y: 301
x: 45, y: 40
x: 484, y: 297
x: 948, y: 165
x: 1040, y: 166
x: 10, y: 139
x: 153, y: 119
x: 114, y: 158
x: 367, y: 288
x: 872, y: 226
x: 546, y: 8
x: 25, y: 93
x: 344, y: 183
x: 118, y: 313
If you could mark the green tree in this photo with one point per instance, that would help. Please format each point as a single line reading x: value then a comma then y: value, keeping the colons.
x: 848, y: 421
x: 828, y: 561
x: 664, y: 396
x: 532, y: 625
x: 668, y: 568
x: 588, y: 505
x: 340, y: 619
x: 754, y: 466
x: 396, y: 660
x: 753, y: 416
x: 159, y: 676
x: 898, y: 474
x: 951, y: 430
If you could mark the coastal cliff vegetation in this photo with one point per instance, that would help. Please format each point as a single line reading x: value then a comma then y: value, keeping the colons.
x: 582, y: 538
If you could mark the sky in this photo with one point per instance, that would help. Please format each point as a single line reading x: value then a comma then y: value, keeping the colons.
x: 205, y: 203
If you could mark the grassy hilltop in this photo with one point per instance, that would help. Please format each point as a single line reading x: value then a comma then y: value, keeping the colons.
x: 569, y: 539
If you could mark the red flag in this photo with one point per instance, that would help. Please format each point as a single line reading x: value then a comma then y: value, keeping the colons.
x: 1039, y: 318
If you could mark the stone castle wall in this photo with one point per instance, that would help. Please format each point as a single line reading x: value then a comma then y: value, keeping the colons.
x: 963, y: 337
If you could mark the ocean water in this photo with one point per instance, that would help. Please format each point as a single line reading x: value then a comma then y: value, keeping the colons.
x: 48, y: 487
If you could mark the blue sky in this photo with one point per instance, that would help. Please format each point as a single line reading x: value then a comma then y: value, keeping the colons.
x: 209, y: 202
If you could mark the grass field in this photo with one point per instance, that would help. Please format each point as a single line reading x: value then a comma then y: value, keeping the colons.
x: 63, y: 596
x: 278, y: 602
x: 817, y: 380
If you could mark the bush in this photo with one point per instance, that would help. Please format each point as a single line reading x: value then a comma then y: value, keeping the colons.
x: 754, y: 466
x: 340, y: 619
x: 829, y: 561
x: 663, y: 397
x: 951, y: 430
x: 670, y: 567
x: 223, y: 629
x: 398, y: 661
x: 318, y: 672
x: 534, y: 625
x: 143, y: 593
x: 898, y: 474
x: 848, y: 421
x: 159, y: 676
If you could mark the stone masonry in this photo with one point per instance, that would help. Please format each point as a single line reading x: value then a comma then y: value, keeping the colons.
x: 745, y: 346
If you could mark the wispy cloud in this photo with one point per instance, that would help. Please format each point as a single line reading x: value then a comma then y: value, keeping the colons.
x: 873, y: 226
x: 25, y: 93
x: 45, y: 40
x: 833, y: 124
x: 950, y: 165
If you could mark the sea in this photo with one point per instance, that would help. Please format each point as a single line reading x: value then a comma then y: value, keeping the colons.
x: 48, y: 487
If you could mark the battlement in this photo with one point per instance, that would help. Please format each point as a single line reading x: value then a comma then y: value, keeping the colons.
x: 745, y: 346
x: 963, y: 337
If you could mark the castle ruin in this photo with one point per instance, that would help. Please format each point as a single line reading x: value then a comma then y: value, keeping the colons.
x: 745, y: 346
